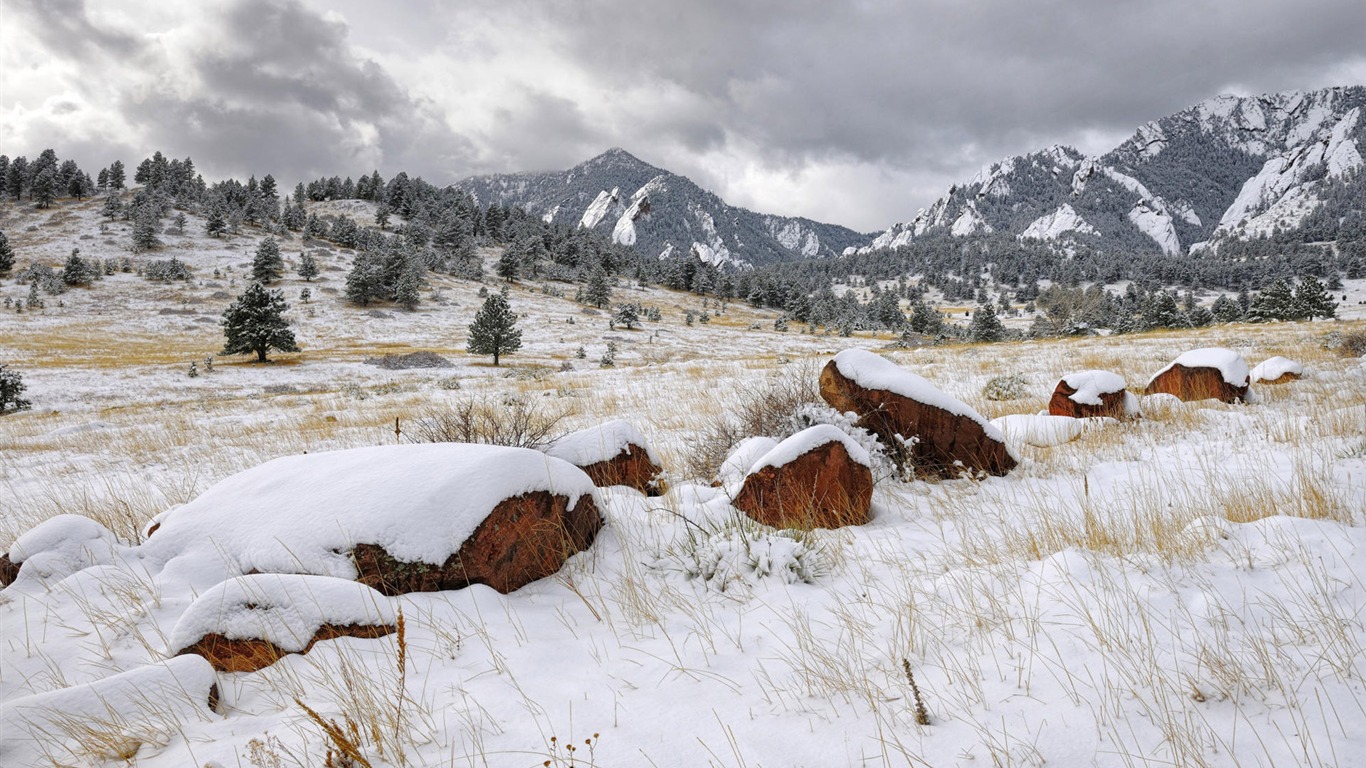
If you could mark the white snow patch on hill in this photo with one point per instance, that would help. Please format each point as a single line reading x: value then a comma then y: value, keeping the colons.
x: 1157, y: 224
x: 598, y: 208
x: 1053, y: 225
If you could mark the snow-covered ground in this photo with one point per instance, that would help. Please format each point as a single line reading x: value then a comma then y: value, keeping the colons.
x: 1185, y: 589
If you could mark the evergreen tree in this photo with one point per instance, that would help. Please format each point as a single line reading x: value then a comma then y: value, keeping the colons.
x: 215, y: 223
x: 145, y: 225
x: 1276, y: 302
x: 78, y: 271
x: 44, y: 189
x: 365, y: 281
x: 267, y: 266
x: 494, y: 330
x: 6, y: 256
x: 11, y: 387
x: 113, y: 207
x: 117, y: 178
x: 1226, y: 310
x: 627, y: 315
x: 508, y: 265
x: 986, y: 326
x: 1160, y: 311
x: 308, y: 267
x: 598, y: 291
x: 254, y: 324
x: 926, y: 319
x: 408, y: 288
x: 1311, y: 300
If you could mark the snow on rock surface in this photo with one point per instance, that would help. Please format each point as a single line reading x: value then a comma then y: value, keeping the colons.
x: 1040, y: 430
x: 1154, y: 221
x: 1054, y: 225
x: 142, y: 710
x: 1090, y: 385
x: 60, y: 546
x: 286, y: 610
x: 807, y: 440
x: 873, y: 371
x: 598, y: 208
x: 1230, y: 364
x: 305, y: 514
x: 969, y: 222
x: 1274, y: 368
x: 600, y: 443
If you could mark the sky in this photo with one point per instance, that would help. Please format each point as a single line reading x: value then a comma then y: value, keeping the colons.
x: 856, y: 113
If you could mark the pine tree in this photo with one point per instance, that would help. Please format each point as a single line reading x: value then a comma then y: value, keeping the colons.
x: 1311, y: 300
x: 365, y: 281
x: 1160, y: 311
x: 254, y: 324
x: 267, y: 266
x: 925, y: 319
x: 494, y: 330
x: 598, y: 291
x: 145, y: 225
x: 6, y: 256
x: 508, y: 265
x: 11, y: 387
x: 308, y: 267
x: 215, y: 223
x: 1275, y: 302
x: 408, y: 287
x: 985, y: 325
x: 113, y: 206
x: 1226, y: 310
x: 116, y: 175
x: 44, y: 190
x: 78, y: 271
x: 627, y: 315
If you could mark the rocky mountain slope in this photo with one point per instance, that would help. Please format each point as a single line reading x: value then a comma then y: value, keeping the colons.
x: 660, y: 212
x: 1228, y: 167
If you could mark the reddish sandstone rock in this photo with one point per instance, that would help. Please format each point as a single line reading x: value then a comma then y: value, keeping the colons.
x: 613, y: 453
x: 250, y: 622
x: 8, y: 571
x: 1277, y: 370
x: 523, y: 539
x: 951, y: 437
x: 1203, y: 374
x: 1092, y: 393
x: 818, y: 478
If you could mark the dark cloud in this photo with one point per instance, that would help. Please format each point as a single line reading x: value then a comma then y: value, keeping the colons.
x: 753, y: 99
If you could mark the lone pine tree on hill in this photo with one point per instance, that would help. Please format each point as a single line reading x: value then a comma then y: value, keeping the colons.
x: 254, y: 324
x: 494, y: 330
x: 267, y: 266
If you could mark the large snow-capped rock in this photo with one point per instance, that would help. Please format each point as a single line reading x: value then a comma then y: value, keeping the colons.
x: 399, y: 518
x: 655, y: 211
x: 1227, y: 167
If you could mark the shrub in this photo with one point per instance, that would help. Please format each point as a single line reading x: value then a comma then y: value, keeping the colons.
x: 166, y: 270
x: 11, y: 387
x: 514, y: 421
x: 765, y: 407
x: 1009, y: 387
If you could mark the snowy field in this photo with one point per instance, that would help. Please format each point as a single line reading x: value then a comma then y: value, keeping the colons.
x: 1186, y: 589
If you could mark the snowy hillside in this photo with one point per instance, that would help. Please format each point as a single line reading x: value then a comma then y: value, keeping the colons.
x: 1185, y: 588
x: 658, y: 212
x: 1226, y: 168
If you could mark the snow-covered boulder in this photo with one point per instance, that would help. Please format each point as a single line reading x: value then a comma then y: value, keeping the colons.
x: 131, y: 713
x: 818, y: 478
x: 950, y: 437
x: 1204, y: 374
x: 250, y: 622
x: 1040, y: 430
x: 1277, y: 370
x: 56, y: 548
x: 404, y: 518
x: 1092, y: 393
x: 742, y: 458
x: 613, y: 453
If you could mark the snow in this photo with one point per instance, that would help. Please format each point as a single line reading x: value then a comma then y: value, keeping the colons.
x: 1053, y: 225
x: 1229, y: 363
x: 872, y: 371
x: 742, y: 458
x: 304, y: 514
x: 969, y: 222
x: 601, y: 443
x: 1090, y: 385
x: 793, y: 236
x: 808, y: 440
x: 284, y: 609
x: 1156, y: 223
x: 550, y: 214
x: 1040, y: 430
x: 1273, y: 368
x: 140, y: 710
x: 598, y: 208
x: 624, y: 233
x: 60, y: 546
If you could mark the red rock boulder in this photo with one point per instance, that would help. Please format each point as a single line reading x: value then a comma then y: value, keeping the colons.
x: 950, y: 437
x: 1088, y: 394
x: 818, y: 478
x: 1203, y: 374
x: 250, y: 622
x: 613, y: 453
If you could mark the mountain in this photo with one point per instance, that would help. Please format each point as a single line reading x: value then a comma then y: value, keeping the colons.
x: 1227, y: 168
x: 661, y: 213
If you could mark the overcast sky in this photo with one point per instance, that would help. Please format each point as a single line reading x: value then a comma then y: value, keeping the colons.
x: 855, y: 113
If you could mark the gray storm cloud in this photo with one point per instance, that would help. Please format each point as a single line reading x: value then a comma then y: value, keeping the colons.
x: 850, y: 112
